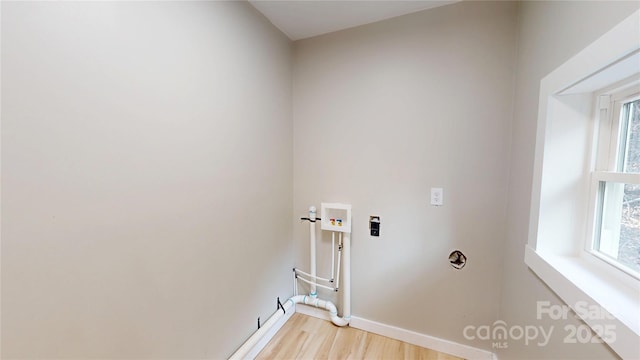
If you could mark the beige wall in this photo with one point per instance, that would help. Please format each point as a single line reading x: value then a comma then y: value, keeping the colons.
x: 147, y: 178
x: 549, y: 34
x: 137, y: 139
x: 386, y: 111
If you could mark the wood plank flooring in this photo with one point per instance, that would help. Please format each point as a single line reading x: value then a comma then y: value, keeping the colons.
x: 306, y: 337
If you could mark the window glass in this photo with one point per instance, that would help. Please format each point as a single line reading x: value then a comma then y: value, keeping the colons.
x: 630, y: 137
x: 629, y: 253
x: 619, y: 235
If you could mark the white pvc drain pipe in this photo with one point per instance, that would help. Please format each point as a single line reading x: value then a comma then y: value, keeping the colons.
x: 311, y: 299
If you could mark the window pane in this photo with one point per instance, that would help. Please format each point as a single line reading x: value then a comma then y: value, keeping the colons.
x: 631, y: 137
x: 620, y: 224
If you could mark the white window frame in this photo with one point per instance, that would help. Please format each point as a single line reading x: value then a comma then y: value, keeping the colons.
x: 561, y: 200
x: 609, y: 103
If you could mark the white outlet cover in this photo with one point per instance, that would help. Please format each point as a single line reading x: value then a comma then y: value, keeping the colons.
x: 437, y: 196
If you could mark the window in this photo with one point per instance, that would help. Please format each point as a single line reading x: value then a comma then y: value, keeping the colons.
x: 616, y: 180
x: 584, y: 227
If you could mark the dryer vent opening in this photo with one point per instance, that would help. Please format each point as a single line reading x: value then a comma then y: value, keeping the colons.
x: 457, y: 259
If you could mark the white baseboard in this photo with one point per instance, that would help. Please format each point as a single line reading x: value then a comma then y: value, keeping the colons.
x: 260, y: 345
x: 423, y: 340
x: 408, y: 336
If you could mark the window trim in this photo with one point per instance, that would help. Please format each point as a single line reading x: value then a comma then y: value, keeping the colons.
x: 574, y: 275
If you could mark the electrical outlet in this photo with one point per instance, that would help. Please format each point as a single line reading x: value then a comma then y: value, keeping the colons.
x: 437, y: 196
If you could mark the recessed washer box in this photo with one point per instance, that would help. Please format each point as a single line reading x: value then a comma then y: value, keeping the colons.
x: 335, y: 217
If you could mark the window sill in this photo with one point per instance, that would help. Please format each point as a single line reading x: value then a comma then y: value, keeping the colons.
x: 576, y: 280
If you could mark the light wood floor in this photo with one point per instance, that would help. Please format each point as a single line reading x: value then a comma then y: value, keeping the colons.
x: 306, y: 337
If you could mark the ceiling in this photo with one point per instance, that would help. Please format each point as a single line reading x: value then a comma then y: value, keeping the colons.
x: 300, y: 19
